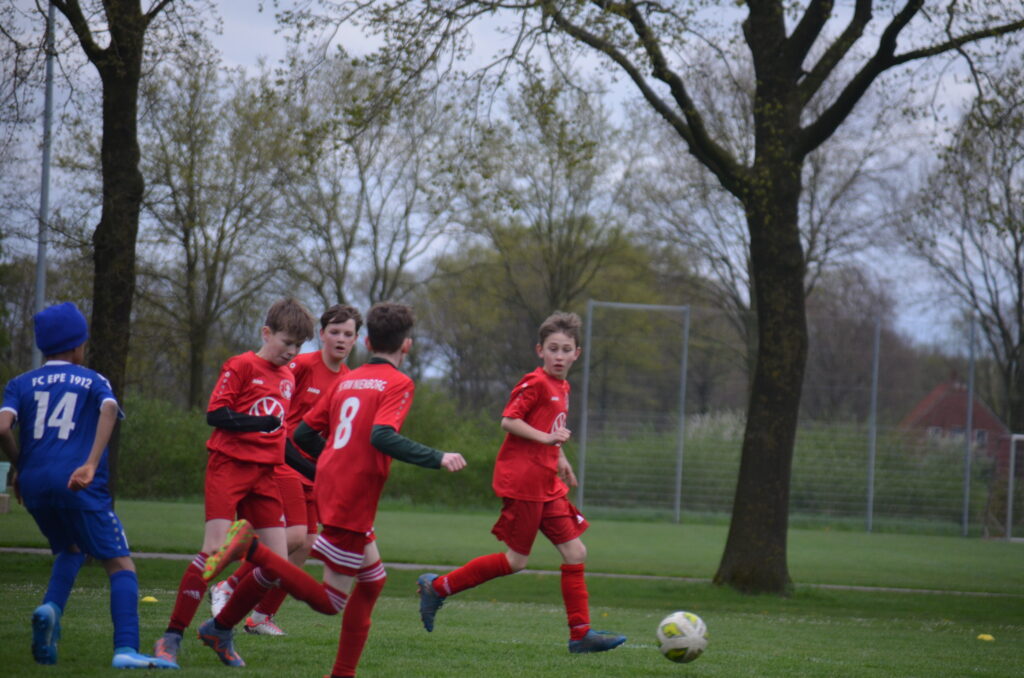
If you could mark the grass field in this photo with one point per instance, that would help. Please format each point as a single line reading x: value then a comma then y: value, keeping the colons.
x: 916, y: 608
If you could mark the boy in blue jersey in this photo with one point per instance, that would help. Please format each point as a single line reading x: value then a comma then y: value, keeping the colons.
x: 65, y: 414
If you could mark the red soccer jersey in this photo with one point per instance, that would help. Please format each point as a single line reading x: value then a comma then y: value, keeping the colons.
x: 252, y: 385
x: 312, y: 379
x: 351, y: 472
x: 526, y: 469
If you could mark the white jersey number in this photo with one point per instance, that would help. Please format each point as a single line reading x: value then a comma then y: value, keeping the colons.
x: 61, y: 418
x: 344, y: 429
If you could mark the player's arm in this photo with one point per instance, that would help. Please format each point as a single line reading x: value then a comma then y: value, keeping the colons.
x: 7, y: 442
x: 519, y: 427
x: 394, y: 444
x: 299, y: 461
x: 229, y: 420
x: 308, y: 439
x: 82, y: 476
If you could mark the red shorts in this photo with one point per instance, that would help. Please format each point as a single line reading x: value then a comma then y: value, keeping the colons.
x: 240, y: 489
x: 299, y: 505
x: 521, y: 520
x: 342, y: 550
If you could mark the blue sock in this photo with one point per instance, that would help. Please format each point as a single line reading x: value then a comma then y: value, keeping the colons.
x: 124, y: 609
x: 62, y: 578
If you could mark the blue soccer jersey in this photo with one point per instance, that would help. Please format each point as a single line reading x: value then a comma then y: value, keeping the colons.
x: 57, y: 407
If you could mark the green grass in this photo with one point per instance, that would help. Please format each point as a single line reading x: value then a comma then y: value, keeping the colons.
x: 514, y: 627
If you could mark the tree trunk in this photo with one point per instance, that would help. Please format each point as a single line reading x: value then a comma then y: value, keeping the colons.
x: 114, y: 240
x: 754, y: 560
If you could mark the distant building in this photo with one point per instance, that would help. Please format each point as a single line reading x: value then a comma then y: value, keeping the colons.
x: 942, y: 415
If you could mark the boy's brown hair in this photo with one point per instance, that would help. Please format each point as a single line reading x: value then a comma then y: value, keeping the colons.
x: 567, y: 323
x: 387, y: 326
x: 340, y: 313
x: 288, y: 315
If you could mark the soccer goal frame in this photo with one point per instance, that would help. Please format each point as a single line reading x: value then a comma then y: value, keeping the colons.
x: 584, y: 417
x: 1014, y: 439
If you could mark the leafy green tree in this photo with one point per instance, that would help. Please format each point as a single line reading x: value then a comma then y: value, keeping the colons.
x: 213, y: 144
x: 794, y: 49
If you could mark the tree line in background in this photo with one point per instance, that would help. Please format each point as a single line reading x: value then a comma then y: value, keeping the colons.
x: 487, y: 205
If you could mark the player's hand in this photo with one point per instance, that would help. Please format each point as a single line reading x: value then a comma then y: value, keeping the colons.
x: 452, y: 462
x: 559, y: 436
x: 565, y: 471
x: 81, y: 477
x: 17, y: 488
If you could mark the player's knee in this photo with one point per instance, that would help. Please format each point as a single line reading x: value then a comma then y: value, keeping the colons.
x: 517, y: 561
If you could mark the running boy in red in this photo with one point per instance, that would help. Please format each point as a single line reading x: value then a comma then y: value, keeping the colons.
x: 315, y: 373
x: 247, y: 410
x: 361, y: 419
x: 531, y: 476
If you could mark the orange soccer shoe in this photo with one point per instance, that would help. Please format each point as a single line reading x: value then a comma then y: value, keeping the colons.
x: 235, y: 546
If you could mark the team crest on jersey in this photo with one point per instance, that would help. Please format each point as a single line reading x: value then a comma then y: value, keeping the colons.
x: 286, y: 389
x: 268, y: 406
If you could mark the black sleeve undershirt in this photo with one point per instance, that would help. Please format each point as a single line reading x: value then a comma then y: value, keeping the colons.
x: 229, y: 420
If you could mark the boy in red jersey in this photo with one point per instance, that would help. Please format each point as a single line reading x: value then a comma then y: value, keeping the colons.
x: 361, y: 417
x: 531, y: 476
x: 247, y: 410
x: 315, y: 373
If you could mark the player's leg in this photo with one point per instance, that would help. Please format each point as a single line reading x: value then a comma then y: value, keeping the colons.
x: 563, y: 524
x: 355, y: 624
x: 227, y: 482
x: 517, y: 526
x: 99, y: 534
x: 293, y: 497
x: 46, y: 618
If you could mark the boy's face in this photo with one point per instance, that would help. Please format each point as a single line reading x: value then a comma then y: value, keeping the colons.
x: 559, y: 352
x: 279, y: 347
x: 337, y: 339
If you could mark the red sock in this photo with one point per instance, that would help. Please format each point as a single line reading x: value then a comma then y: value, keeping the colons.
x: 355, y: 624
x: 240, y: 573
x: 271, y: 602
x: 576, y: 599
x: 190, y: 594
x: 321, y: 597
x: 248, y: 592
x: 473, y: 573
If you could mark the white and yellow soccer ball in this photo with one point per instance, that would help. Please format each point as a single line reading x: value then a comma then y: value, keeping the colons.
x: 682, y: 636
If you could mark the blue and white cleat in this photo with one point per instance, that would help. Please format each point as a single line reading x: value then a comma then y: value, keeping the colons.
x: 127, y: 658
x: 45, y: 633
x: 430, y: 601
x: 596, y: 641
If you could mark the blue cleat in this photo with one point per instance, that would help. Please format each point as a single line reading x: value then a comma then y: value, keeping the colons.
x: 128, y: 658
x: 430, y: 601
x: 45, y: 633
x: 221, y: 641
x: 596, y: 641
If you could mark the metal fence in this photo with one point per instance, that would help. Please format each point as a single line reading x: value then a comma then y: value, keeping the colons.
x: 894, y: 434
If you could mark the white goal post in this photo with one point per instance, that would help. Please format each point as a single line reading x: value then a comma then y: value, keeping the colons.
x: 1014, y: 439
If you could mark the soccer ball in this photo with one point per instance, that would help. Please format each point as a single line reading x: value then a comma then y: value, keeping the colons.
x: 682, y: 636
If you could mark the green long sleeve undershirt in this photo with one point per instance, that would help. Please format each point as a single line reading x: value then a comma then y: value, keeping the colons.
x: 384, y: 438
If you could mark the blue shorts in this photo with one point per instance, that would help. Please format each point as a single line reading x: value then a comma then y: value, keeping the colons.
x: 96, y: 533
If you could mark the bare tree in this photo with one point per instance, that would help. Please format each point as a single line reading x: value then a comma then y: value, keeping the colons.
x: 543, y: 187
x: 794, y: 49
x: 361, y: 193
x: 968, y: 227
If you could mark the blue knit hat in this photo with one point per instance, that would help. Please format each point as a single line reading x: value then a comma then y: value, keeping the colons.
x: 60, y: 328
